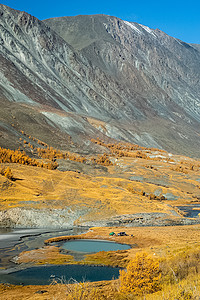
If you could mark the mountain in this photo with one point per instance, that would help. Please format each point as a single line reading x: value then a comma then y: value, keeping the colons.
x: 72, y: 78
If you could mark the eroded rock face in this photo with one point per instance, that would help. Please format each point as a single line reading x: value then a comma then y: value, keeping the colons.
x: 56, y: 218
x: 65, y: 218
x: 139, y: 81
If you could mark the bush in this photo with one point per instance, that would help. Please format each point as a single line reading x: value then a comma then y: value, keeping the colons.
x: 142, y: 276
x: 77, y: 291
x: 7, y: 173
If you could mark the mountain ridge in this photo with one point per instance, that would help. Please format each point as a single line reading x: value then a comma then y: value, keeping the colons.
x: 126, y: 75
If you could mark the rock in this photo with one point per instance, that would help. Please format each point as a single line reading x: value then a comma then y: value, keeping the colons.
x: 44, y: 218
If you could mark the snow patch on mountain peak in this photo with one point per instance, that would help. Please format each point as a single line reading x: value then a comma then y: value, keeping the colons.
x: 149, y: 30
x: 132, y: 25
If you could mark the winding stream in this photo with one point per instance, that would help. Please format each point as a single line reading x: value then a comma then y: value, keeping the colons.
x: 14, y: 241
x: 190, y: 210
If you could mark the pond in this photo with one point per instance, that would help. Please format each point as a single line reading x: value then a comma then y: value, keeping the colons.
x: 14, y: 241
x: 44, y: 275
x: 93, y: 246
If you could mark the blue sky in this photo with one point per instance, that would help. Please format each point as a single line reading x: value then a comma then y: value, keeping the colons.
x: 180, y: 19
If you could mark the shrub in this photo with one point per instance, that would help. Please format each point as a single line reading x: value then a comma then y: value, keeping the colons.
x: 142, y: 276
x: 7, y: 173
x: 77, y: 291
x: 102, y: 160
x: 152, y: 197
x: 131, y: 189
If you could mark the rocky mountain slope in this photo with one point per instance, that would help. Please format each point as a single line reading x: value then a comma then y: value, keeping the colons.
x: 89, y: 76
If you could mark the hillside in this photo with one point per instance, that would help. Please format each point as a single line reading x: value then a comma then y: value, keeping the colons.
x: 88, y: 76
x: 127, y: 185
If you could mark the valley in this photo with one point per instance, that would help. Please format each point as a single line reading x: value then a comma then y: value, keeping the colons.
x: 124, y: 188
x: 99, y: 141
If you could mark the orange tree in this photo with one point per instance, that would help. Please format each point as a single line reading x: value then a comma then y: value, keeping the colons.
x: 142, y: 276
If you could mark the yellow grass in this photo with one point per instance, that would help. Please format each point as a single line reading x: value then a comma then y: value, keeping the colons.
x: 108, y: 194
x: 170, y: 243
x: 177, y: 248
x: 48, y: 254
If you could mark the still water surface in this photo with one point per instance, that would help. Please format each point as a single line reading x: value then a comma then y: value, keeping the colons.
x: 92, y: 246
x: 44, y: 275
x: 14, y: 241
